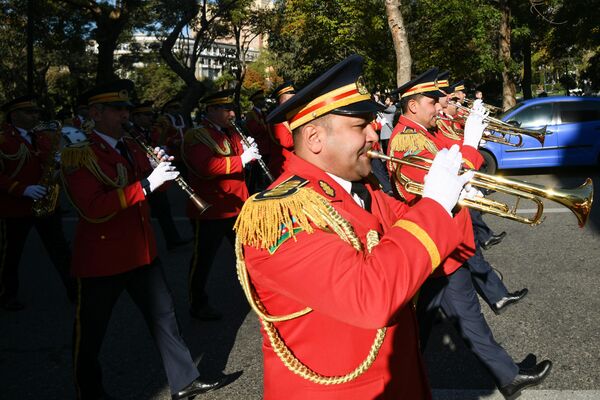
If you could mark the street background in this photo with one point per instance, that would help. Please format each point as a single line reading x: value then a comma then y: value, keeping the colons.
x: 558, y: 320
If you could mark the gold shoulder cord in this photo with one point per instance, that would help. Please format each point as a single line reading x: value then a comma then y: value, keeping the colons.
x: 201, y: 135
x: 23, y: 155
x: 318, y: 210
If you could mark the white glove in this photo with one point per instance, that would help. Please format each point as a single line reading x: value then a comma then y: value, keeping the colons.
x: 475, y: 126
x: 35, y: 192
x: 251, y: 141
x: 478, y: 103
x: 442, y: 182
x: 162, y: 173
x: 250, y: 154
x: 470, y: 193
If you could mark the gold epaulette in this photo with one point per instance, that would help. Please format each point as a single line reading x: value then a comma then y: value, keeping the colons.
x: 410, y: 142
x: 447, y: 130
x: 76, y: 156
x: 202, y: 135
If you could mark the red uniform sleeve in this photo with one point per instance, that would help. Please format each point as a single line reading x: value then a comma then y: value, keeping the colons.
x: 92, y: 198
x: 282, y: 133
x: 363, y: 289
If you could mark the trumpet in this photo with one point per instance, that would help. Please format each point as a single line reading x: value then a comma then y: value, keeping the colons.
x: 491, y: 108
x: 489, y: 136
x: 247, y: 143
x: 578, y: 200
x: 505, y: 129
x: 196, y: 200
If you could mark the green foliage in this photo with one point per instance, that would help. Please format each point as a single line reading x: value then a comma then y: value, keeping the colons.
x: 308, y: 36
x: 156, y: 82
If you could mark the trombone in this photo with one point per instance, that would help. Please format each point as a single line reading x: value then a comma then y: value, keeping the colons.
x: 505, y: 129
x: 491, y: 108
x: 578, y: 200
x: 490, y: 137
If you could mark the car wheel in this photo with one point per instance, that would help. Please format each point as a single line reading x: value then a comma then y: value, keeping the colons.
x: 489, y: 163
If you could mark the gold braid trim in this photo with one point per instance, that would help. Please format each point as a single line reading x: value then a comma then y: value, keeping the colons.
x: 253, y: 230
x: 23, y: 155
x: 447, y: 130
x: 203, y: 136
x: 76, y: 156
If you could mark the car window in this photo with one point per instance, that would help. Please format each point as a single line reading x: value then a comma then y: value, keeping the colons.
x: 534, y: 115
x: 510, y: 110
x: 579, y: 111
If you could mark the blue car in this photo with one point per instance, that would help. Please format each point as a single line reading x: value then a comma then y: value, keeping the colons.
x: 573, y: 127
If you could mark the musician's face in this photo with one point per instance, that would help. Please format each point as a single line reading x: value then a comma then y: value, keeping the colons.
x: 220, y: 115
x: 26, y: 118
x: 110, y: 119
x: 343, y: 145
x: 423, y: 110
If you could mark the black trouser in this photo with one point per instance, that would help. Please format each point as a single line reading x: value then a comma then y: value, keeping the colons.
x: 209, y: 234
x: 161, y: 210
x: 482, y: 231
x: 456, y: 296
x: 148, y: 289
x: 13, y: 236
x: 486, y: 281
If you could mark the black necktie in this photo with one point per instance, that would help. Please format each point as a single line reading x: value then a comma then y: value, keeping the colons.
x: 361, y: 191
x: 122, y: 148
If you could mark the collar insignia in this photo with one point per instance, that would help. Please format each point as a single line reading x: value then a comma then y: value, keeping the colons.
x: 328, y: 190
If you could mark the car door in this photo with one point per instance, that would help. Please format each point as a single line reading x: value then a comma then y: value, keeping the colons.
x: 578, y: 132
x: 532, y: 154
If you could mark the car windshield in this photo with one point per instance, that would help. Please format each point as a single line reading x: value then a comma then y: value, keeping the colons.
x: 513, y: 108
x: 533, y: 115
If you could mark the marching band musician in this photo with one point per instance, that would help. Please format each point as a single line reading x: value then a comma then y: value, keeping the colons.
x: 215, y: 157
x: 108, y: 178
x: 487, y: 283
x: 24, y: 157
x: 284, y: 143
x: 309, y: 247
x: 452, y: 288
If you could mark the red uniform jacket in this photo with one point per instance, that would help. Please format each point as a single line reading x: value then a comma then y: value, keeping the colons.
x: 113, y: 234
x: 352, y: 294
x: 259, y: 130
x: 21, y: 165
x: 283, y: 147
x: 470, y: 157
x: 216, y: 172
x: 165, y: 133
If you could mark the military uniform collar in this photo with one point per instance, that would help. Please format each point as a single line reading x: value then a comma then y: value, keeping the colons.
x: 111, y: 141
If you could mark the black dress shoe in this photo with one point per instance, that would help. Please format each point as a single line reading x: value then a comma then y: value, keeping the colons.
x: 493, y: 240
x: 526, y: 378
x: 501, y: 305
x: 205, y: 313
x: 197, y: 387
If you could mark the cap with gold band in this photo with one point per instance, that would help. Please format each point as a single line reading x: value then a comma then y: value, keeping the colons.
x: 116, y: 94
x: 21, y: 103
x: 442, y: 81
x: 224, y: 99
x: 424, y: 84
x: 340, y: 90
x: 144, y: 107
x: 286, y: 87
x: 459, y: 86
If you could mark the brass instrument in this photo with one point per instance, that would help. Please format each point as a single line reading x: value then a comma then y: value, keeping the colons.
x: 505, y: 129
x: 247, y: 143
x: 492, y: 109
x: 578, y: 200
x: 196, y: 200
x: 490, y: 137
x: 46, y: 205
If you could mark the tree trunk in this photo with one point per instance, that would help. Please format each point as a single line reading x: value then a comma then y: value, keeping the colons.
x: 527, y: 69
x: 108, y: 29
x: 400, y: 39
x: 509, y: 90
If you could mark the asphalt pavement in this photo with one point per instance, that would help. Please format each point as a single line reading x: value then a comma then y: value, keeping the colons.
x: 558, y: 320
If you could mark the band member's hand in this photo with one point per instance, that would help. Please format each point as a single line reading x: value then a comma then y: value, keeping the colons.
x: 475, y: 126
x: 443, y: 183
x: 162, y: 155
x: 251, y: 142
x: 35, y: 192
x: 250, y: 154
x: 162, y: 173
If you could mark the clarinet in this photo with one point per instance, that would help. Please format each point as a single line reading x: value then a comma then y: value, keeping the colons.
x: 198, y: 202
x: 245, y: 139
